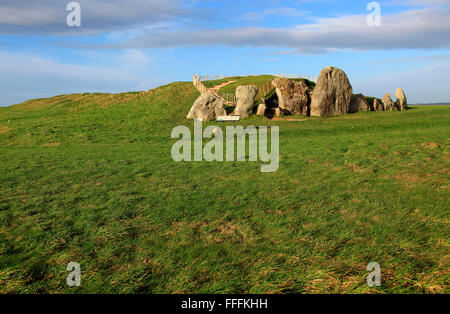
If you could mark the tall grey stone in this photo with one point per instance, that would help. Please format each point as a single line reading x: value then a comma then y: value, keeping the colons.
x: 388, y: 103
x: 245, y: 98
x: 401, y: 101
x: 332, y: 93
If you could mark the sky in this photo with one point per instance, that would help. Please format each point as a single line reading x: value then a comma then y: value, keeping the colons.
x: 137, y: 45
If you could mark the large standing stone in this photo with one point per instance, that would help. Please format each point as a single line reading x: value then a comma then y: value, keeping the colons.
x: 358, y: 103
x: 332, y: 93
x: 293, y: 97
x: 207, y: 107
x: 245, y: 98
x: 388, y: 103
x: 377, y: 105
x: 401, y: 101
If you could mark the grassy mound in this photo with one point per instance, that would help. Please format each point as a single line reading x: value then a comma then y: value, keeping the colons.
x: 90, y: 179
x: 258, y: 80
x: 213, y: 83
x: 98, y: 118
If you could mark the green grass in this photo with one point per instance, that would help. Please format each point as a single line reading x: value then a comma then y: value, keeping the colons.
x: 89, y: 178
x: 213, y: 83
x: 258, y: 80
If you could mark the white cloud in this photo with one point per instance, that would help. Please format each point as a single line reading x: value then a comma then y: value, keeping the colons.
x: 423, y: 3
x: 169, y: 23
x: 414, y: 29
x: 278, y: 12
x: 49, y: 16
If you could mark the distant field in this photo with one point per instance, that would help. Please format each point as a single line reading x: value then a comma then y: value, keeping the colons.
x: 89, y: 178
x: 435, y: 104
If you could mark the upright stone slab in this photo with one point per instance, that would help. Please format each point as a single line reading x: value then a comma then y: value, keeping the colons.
x: 332, y: 93
x: 388, y: 103
x: 245, y: 98
x: 261, y: 110
x: 401, y: 101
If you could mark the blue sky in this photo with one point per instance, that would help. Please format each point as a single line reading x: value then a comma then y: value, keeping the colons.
x: 137, y: 44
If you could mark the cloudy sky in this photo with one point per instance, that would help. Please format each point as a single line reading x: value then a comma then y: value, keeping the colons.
x: 140, y: 44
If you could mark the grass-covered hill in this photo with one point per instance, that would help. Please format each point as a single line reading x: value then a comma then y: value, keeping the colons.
x: 258, y: 80
x: 89, y: 178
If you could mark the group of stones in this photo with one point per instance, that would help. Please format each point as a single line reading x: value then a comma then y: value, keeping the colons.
x: 332, y: 95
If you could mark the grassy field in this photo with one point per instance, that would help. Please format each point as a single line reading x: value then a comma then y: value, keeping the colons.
x: 89, y: 178
x: 259, y: 81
